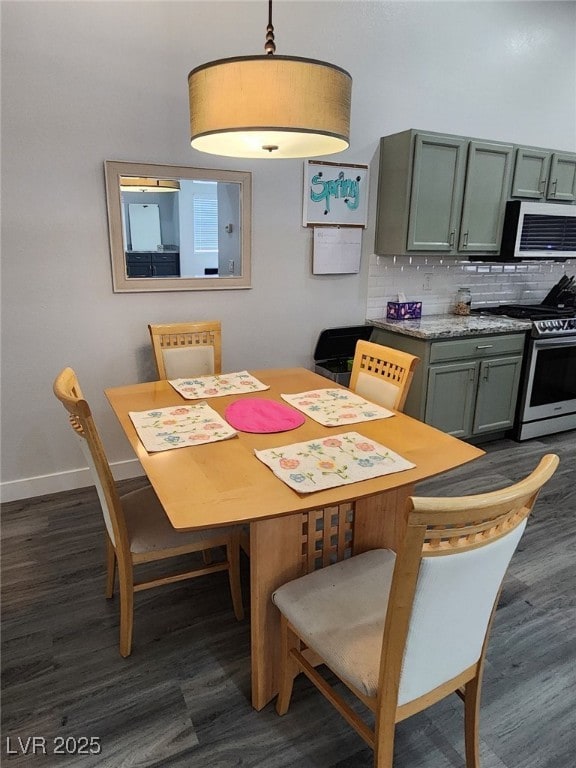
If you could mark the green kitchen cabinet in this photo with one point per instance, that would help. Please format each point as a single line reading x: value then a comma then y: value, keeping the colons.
x: 531, y: 173
x: 562, y: 183
x: 436, y: 192
x: 542, y: 174
x: 488, y: 171
x: 474, y: 397
x: 498, y: 380
x: 450, y: 397
x: 441, y: 194
x: 468, y: 386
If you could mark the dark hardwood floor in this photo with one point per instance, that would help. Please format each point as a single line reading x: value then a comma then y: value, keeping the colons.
x: 182, y: 700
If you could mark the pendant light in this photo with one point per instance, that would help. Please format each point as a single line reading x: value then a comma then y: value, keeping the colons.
x: 269, y: 106
x: 139, y: 184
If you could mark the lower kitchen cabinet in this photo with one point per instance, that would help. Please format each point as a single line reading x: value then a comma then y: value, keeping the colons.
x: 497, y: 393
x: 450, y: 397
x: 473, y: 398
x: 467, y: 387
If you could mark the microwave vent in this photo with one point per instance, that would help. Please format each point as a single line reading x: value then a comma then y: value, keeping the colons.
x: 548, y: 233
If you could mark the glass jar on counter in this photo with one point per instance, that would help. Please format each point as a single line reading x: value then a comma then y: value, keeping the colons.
x: 463, y: 302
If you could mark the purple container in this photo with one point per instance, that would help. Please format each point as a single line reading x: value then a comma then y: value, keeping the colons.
x: 404, y: 310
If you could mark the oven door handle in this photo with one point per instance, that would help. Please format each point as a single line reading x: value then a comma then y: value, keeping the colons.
x: 560, y: 341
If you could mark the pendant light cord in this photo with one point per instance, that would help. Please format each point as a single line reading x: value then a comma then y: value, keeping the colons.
x: 270, y: 45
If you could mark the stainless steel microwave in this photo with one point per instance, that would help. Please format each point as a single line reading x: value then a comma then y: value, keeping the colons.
x: 538, y: 231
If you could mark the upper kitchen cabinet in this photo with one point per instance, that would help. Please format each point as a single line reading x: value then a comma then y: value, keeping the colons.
x: 531, y: 173
x: 541, y: 174
x: 441, y: 194
x: 562, y: 184
x: 488, y: 170
x: 436, y: 192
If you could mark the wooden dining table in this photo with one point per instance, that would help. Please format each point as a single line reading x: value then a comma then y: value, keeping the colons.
x: 290, y: 533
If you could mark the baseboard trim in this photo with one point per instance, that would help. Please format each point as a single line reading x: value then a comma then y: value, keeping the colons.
x: 15, y: 490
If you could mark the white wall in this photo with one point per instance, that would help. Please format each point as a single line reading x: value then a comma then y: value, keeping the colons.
x: 84, y: 82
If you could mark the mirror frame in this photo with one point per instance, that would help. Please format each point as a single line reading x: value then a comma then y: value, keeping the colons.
x: 114, y: 169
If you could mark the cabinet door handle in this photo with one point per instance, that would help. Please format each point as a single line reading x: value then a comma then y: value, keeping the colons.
x: 452, y: 237
x: 484, y: 346
x: 465, y: 239
x: 543, y: 185
x: 486, y: 372
x: 554, y: 185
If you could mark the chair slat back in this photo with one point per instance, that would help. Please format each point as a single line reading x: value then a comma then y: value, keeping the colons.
x: 382, y: 374
x: 446, y: 582
x: 187, y: 349
x: 67, y: 390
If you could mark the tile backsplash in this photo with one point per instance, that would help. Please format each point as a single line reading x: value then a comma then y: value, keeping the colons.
x: 434, y: 281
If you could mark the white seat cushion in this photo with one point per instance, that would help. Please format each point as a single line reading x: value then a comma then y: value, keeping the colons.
x: 149, y: 530
x: 183, y: 362
x: 452, y: 607
x: 377, y: 389
x: 340, y: 611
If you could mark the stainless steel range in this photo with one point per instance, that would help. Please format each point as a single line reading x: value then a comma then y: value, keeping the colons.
x: 547, y: 402
x: 548, y: 398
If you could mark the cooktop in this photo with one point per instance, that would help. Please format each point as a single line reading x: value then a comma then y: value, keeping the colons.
x: 527, y: 311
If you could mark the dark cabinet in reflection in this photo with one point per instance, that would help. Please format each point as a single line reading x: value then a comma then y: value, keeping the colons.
x: 152, y: 264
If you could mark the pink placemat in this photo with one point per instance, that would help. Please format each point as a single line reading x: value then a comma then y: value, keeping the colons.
x: 256, y: 414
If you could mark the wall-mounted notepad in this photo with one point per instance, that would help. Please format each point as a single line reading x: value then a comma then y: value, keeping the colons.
x: 336, y: 250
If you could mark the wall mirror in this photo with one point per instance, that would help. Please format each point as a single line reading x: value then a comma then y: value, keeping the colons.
x: 175, y: 228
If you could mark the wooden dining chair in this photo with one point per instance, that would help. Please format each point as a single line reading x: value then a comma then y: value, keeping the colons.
x: 382, y: 374
x: 187, y: 349
x: 403, y: 631
x: 137, y: 529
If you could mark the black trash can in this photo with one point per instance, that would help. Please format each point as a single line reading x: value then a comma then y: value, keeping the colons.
x: 334, y: 351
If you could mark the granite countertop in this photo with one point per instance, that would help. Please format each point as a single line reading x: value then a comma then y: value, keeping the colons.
x: 452, y: 326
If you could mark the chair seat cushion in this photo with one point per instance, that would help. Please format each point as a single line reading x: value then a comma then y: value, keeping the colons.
x: 377, y: 389
x: 339, y: 611
x: 186, y: 362
x: 149, y: 529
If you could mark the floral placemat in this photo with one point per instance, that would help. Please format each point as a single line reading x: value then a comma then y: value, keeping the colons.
x: 180, y: 426
x: 336, y: 407
x: 331, y: 461
x: 198, y: 387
